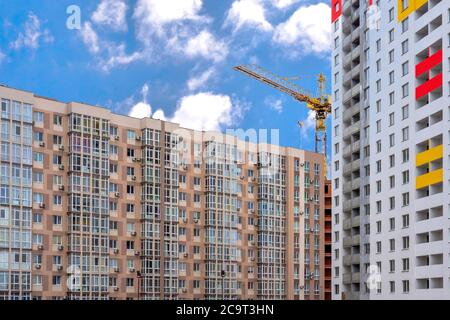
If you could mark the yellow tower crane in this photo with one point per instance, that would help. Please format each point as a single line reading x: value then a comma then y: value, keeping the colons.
x: 321, y: 105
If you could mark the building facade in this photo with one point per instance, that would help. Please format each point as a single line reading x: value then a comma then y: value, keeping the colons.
x: 390, y: 149
x: 96, y: 205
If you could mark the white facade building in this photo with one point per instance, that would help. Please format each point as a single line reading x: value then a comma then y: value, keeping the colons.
x: 391, y: 153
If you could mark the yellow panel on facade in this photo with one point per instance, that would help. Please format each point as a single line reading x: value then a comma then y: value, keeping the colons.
x: 430, y: 178
x: 412, y: 5
x: 430, y: 155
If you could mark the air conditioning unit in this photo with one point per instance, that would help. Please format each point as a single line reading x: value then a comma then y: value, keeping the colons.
x: 133, y: 233
x: 252, y: 211
x: 116, y: 251
x: 252, y: 259
x: 302, y: 164
x: 60, y: 248
x: 117, y: 194
x: 116, y: 269
x: 184, y: 290
x: 132, y: 270
x: 61, y: 187
x: 42, y: 144
x: 311, y: 181
x: 40, y: 247
x: 195, y: 220
x: 138, y: 138
x: 42, y: 205
x: 38, y: 266
x: 242, y: 177
x: 116, y: 288
x: 136, y: 159
x: 61, y: 148
x: 185, y: 255
x: 133, y: 178
x: 185, y: 220
x: 301, y: 213
x: 61, y: 167
x: 136, y: 253
x: 311, y: 199
x: 59, y: 267
x: 116, y: 138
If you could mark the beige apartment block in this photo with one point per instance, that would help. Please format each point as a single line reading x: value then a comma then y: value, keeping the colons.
x: 96, y: 205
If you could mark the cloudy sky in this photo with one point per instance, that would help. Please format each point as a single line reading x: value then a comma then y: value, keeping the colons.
x: 171, y: 59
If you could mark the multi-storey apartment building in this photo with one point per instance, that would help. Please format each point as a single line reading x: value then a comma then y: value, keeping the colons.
x: 96, y: 205
x: 390, y: 149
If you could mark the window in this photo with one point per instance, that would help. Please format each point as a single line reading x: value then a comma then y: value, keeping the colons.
x: 405, y: 283
x: 405, y: 264
x: 405, y: 112
x: 391, y: 224
x: 391, y: 245
x: 392, y: 203
x: 405, y: 220
x: 391, y: 140
x: 392, y: 182
x: 405, y: 46
x: 405, y: 134
x: 37, y: 116
x: 392, y: 286
x: 130, y: 152
x: 38, y: 177
x: 57, y: 220
x: 405, y: 241
x: 405, y: 199
x: 57, y: 120
x: 405, y: 68
x: 56, y: 280
x: 405, y: 90
x: 391, y: 265
x: 130, y: 189
x: 131, y: 135
x: 405, y: 177
x: 57, y: 200
x: 405, y: 155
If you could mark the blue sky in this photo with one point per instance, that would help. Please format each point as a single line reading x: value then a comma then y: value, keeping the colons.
x: 170, y: 59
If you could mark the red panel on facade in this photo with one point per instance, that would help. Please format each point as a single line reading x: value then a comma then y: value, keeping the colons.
x: 429, y: 86
x: 429, y: 63
x: 336, y: 9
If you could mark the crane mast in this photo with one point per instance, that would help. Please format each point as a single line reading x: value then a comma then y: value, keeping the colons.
x: 321, y: 105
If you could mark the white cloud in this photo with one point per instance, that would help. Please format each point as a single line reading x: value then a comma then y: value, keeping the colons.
x: 90, y: 38
x: 309, y: 123
x: 153, y: 15
x: 200, y: 111
x: 159, y: 115
x: 281, y: 4
x: 206, y: 46
x: 247, y: 13
x: 142, y: 109
x: 108, y: 54
x: 111, y: 13
x: 32, y: 34
x: 204, y: 111
x: 200, y: 80
x: 116, y: 56
x: 308, y: 27
x: 274, y: 104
